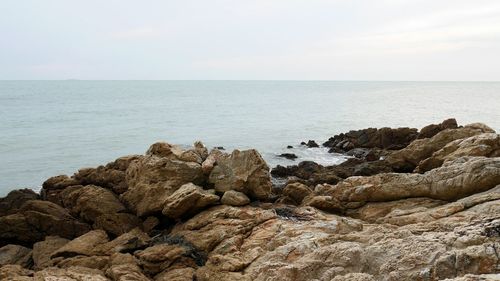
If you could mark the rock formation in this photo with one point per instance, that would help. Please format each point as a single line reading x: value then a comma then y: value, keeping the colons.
x: 409, y: 205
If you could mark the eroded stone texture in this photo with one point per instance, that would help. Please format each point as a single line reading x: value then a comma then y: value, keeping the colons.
x: 243, y: 171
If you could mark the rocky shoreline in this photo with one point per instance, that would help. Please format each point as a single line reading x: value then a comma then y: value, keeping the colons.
x: 409, y: 205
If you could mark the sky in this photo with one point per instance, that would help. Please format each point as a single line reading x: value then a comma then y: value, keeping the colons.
x: 452, y: 40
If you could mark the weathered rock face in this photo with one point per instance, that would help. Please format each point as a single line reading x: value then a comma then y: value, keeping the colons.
x: 243, y: 171
x: 44, y: 249
x: 153, y: 178
x: 187, y: 200
x: 405, y: 160
x: 456, y: 179
x: 487, y: 144
x: 37, y: 219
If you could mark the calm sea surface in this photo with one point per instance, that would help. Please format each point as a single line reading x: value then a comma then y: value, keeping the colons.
x: 56, y: 127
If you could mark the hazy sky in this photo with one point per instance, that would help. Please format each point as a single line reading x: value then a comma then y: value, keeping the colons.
x: 254, y: 39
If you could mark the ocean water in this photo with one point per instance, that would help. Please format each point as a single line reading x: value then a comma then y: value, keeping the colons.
x: 49, y: 128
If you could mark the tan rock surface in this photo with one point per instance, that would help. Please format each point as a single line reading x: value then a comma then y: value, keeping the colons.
x: 243, y: 171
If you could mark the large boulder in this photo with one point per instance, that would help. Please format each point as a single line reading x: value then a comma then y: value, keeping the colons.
x: 37, y: 219
x: 405, y: 160
x: 244, y: 171
x: 487, y: 144
x: 153, y: 178
x: 90, y: 202
x: 189, y: 199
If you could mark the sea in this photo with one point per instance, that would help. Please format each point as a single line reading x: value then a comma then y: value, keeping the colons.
x: 49, y: 128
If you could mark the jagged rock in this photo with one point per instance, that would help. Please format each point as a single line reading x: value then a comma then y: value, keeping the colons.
x: 243, y: 171
x: 405, y: 160
x: 15, y: 199
x: 454, y: 180
x: 90, y: 202
x: 43, y: 250
x: 37, y: 219
x: 310, y: 144
x: 111, y: 176
x: 15, y: 254
x: 210, y: 161
x: 150, y: 223
x: 85, y: 245
x: 159, y: 257
x: 127, y: 242
x: 117, y: 224
x: 487, y: 144
x: 154, y: 178
x: 431, y: 130
x: 188, y: 200
x: 385, y: 138
x: 234, y: 198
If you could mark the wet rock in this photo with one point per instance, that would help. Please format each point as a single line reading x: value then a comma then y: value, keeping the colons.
x: 383, y: 138
x: 243, y: 171
x: 15, y: 254
x: 234, y: 198
x: 310, y: 144
x: 289, y: 146
x: 290, y: 156
x: 189, y: 199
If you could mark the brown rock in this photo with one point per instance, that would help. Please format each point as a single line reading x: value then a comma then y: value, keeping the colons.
x: 84, y: 245
x: 487, y: 144
x: 243, y: 171
x: 153, y: 179
x: 43, y: 250
x: 297, y: 191
x: 75, y: 273
x: 15, y: 272
x: 234, y: 198
x: 189, y: 199
x: 178, y: 274
x: 15, y: 199
x: 405, y: 160
x: 118, y: 223
x: 37, y: 219
x: 431, y: 130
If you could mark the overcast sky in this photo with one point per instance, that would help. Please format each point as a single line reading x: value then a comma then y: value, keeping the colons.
x: 254, y: 39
